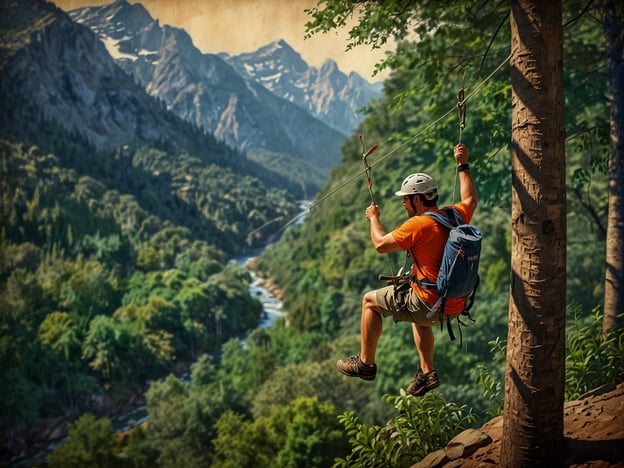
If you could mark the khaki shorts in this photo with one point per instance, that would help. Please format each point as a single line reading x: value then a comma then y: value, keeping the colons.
x: 415, y: 309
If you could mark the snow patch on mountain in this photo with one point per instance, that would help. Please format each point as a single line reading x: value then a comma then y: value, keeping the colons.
x: 265, y: 100
x: 112, y: 46
x: 328, y: 94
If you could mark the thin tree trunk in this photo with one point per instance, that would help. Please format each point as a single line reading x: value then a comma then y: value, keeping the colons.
x: 613, y: 21
x: 534, y: 376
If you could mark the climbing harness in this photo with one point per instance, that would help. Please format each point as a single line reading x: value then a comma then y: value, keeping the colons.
x: 367, y: 167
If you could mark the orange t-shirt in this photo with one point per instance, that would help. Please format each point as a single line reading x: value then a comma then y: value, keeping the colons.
x: 425, y: 237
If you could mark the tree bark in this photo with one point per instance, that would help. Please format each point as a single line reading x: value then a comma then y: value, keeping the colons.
x: 535, y: 372
x: 613, y: 21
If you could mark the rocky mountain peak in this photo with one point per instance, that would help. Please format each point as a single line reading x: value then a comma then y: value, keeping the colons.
x: 237, y: 106
x: 112, y: 23
x: 330, y: 66
x: 58, y: 71
x: 114, y: 19
x: 279, y: 53
x: 327, y: 93
x: 93, y: 70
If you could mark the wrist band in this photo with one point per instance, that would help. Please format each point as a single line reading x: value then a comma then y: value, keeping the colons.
x: 463, y: 167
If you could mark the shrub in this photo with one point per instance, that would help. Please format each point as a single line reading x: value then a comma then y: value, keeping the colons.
x: 593, y: 358
x: 421, y: 425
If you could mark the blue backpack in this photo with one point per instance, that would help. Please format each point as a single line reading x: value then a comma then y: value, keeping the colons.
x: 459, y: 271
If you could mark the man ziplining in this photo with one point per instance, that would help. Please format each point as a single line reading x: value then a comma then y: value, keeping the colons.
x: 424, y: 239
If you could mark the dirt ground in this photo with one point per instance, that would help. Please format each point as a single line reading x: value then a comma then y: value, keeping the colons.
x: 593, y: 431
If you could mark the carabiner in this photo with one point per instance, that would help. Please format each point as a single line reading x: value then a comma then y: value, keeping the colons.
x: 367, y: 167
x: 461, y: 108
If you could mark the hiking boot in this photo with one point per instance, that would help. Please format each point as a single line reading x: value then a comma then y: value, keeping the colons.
x: 422, y: 383
x: 354, y: 367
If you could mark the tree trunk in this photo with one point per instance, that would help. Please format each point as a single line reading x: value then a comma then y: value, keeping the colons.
x: 535, y: 372
x: 613, y: 21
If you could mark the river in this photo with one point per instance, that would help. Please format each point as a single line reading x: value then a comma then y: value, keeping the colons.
x: 271, y: 311
x: 271, y: 306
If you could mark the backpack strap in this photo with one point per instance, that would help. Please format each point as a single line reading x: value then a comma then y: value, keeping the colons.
x: 439, y: 304
x: 452, y: 213
x: 425, y: 283
x: 470, y: 299
x: 449, y: 326
x: 451, y: 220
x: 469, y: 303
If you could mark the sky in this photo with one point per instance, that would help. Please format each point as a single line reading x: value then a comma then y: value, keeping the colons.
x: 237, y: 26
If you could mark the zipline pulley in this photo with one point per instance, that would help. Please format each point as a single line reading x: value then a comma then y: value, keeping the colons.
x: 367, y: 167
x: 461, y: 111
x: 461, y: 108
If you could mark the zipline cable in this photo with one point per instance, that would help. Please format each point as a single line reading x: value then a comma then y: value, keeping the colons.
x: 413, y: 137
x: 368, y: 167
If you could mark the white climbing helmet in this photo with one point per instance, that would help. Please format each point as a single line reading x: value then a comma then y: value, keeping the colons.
x: 418, y: 183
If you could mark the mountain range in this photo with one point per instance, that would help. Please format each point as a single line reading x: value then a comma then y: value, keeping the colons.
x: 113, y: 76
x: 269, y: 99
x: 57, y: 80
x: 326, y: 93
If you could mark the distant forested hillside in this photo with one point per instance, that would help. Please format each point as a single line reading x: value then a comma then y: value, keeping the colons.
x: 111, y: 280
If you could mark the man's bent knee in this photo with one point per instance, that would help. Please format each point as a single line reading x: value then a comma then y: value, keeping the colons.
x: 369, y: 301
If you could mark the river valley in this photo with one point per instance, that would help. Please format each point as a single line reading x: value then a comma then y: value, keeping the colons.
x: 271, y: 312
